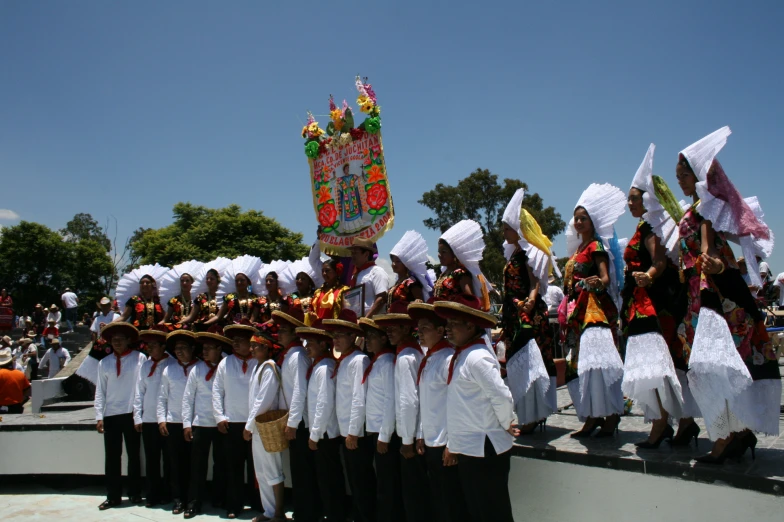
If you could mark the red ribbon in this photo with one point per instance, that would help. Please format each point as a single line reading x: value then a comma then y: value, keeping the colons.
x: 155, y: 364
x: 119, y: 357
x: 458, y: 351
x: 357, y: 270
x: 372, y: 362
x: 407, y: 344
x: 244, y: 361
x: 315, y: 362
x: 212, y: 370
x: 282, y: 356
x: 340, y: 359
x: 440, y: 345
x: 186, y: 366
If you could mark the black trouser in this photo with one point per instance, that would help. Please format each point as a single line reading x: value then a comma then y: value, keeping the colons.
x: 33, y: 365
x: 303, y: 476
x: 447, y: 499
x: 389, y: 499
x: 239, y: 460
x: 16, y: 408
x: 154, y: 447
x: 115, y: 428
x: 331, y: 483
x: 415, y: 488
x: 485, y: 482
x: 180, y: 456
x: 203, y: 438
x: 361, y: 478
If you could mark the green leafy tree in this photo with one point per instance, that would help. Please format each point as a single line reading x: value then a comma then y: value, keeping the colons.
x: 482, y: 198
x: 83, y: 227
x: 203, y: 233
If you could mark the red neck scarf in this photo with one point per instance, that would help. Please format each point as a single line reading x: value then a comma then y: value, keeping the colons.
x: 340, y: 359
x: 440, y: 345
x: 244, y: 361
x: 372, y: 362
x: 212, y: 370
x: 315, y: 362
x: 458, y: 351
x: 358, y: 269
x: 407, y: 344
x: 186, y: 366
x: 119, y: 360
x: 282, y: 356
x: 155, y: 364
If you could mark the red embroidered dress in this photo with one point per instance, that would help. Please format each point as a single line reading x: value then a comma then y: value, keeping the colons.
x: 402, y: 291
x: 208, y: 308
x: 240, y: 309
x: 180, y: 308
x: 144, y: 314
x: 448, y: 284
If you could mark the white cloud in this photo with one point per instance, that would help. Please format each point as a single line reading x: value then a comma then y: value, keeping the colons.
x: 8, y: 215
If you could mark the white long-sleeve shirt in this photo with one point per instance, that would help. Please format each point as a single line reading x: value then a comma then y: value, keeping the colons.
x: 55, y: 358
x: 230, y: 391
x: 197, y: 399
x: 380, y: 402
x: 173, y: 381
x: 114, y: 395
x: 145, y: 404
x: 432, y: 397
x: 263, y: 394
x: 478, y: 404
x: 407, y: 394
x: 322, y: 417
x: 295, y: 384
x: 350, y: 394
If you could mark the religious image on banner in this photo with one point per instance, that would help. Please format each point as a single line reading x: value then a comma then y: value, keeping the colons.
x: 351, y: 193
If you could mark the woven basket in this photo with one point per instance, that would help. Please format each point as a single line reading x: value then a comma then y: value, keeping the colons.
x: 271, y: 426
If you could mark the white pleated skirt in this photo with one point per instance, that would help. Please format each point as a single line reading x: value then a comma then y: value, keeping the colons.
x: 597, y: 390
x: 649, y: 371
x: 530, y: 384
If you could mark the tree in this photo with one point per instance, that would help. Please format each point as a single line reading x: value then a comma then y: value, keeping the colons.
x: 481, y: 198
x: 203, y: 233
x: 84, y: 227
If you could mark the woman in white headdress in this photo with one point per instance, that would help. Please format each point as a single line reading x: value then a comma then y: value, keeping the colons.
x: 733, y: 366
x: 651, y: 309
x: 300, y: 280
x: 409, y: 262
x: 459, y: 252
x: 138, y: 290
x: 272, y: 296
x: 526, y: 330
x: 206, y: 304
x: 589, y: 312
x: 240, y: 304
x: 176, y: 286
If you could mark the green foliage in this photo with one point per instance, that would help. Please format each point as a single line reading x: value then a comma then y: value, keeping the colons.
x: 84, y: 227
x: 482, y: 198
x: 203, y: 233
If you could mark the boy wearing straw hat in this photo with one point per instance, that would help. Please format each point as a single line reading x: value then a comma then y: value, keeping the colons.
x: 115, y: 389
x: 294, y: 364
x: 479, y: 412
x: 173, y: 381
x: 264, y: 396
x: 145, y: 417
x: 324, y: 438
x: 230, y: 406
x: 199, y: 425
x: 350, y: 407
x: 413, y: 468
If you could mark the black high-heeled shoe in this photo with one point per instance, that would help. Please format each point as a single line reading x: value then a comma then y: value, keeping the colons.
x: 686, y: 435
x: 586, y: 431
x: 666, y: 434
x: 747, y: 441
x: 530, y: 431
x: 609, y: 432
x: 731, y: 450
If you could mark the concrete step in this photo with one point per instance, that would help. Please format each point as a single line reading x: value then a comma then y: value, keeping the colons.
x: 67, y: 406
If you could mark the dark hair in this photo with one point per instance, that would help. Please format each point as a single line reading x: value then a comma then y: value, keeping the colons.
x: 147, y: 276
x: 683, y: 162
x: 443, y: 242
x: 332, y: 263
x: 272, y: 274
x: 215, y: 273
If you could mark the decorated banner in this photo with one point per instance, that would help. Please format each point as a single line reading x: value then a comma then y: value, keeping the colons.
x: 348, y: 176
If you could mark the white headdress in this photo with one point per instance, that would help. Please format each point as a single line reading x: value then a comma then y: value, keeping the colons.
x: 466, y: 241
x: 220, y: 265
x: 311, y: 266
x: 604, y: 204
x: 248, y: 265
x: 128, y: 285
x: 170, y: 283
x: 700, y: 155
x: 412, y: 252
x: 660, y: 220
x: 277, y: 266
x: 535, y: 244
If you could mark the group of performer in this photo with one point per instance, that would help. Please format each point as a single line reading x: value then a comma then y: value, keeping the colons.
x: 410, y: 393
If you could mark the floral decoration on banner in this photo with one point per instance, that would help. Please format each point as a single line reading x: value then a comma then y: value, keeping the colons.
x: 350, y: 185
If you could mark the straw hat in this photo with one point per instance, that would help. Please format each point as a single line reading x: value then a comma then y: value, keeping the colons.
x: 295, y: 317
x: 346, y: 322
x: 397, y: 314
x: 156, y: 333
x: 426, y: 311
x: 316, y: 334
x: 465, y: 308
x: 365, y: 244
x: 180, y: 335
x: 119, y: 327
x: 239, y: 330
x: 209, y: 337
x: 5, y: 356
x: 53, y: 308
x: 369, y: 325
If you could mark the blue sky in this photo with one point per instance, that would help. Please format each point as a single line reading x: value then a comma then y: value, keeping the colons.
x: 125, y: 108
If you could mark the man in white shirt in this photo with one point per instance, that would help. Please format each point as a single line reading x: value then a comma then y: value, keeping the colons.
x: 431, y: 440
x: 115, y: 389
x: 779, y: 282
x: 350, y: 407
x: 54, y: 315
x: 479, y: 411
x: 324, y: 440
x: 169, y: 413
x: 230, y: 406
x: 294, y: 364
x: 199, y: 426
x: 105, y: 317
x: 70, y: 303
x: 145, y: 417
x: 369, y: 275
x: 554, y: 294
x: 380, y: 420
x: 413, y: 468
x: 56, y: 357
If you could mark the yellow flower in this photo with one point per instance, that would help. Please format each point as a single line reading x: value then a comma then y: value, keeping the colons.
x: 362, y: 100
x: 314, y: 130
x: 338, y: 124
x: 304, y: 130
x: 367, y: 106
x: 336, y: 115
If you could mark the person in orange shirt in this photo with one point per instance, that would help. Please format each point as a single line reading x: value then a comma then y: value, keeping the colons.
x: 14, y: 386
